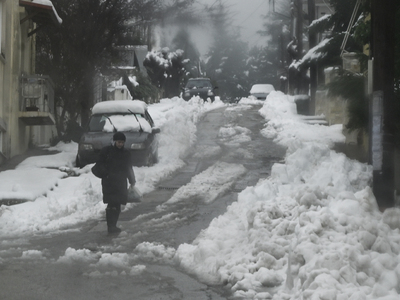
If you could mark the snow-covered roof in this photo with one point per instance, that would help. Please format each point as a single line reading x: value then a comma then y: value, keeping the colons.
x: 43, y: 5
x: 120, y: 106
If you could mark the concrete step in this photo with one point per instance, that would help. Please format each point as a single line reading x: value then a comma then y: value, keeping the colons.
x: 321, y: 120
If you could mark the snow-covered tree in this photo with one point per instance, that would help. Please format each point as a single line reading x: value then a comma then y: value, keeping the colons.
x: 85, y: 45
x: 332, y: 28
x: 166, y: 69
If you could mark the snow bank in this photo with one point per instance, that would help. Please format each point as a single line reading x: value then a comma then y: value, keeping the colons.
x: 312, y: 230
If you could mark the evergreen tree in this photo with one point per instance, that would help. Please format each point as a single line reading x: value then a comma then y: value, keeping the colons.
x: 187, y: 20
x: 144, y: 14
x: 84, y: 46
x: 269, y: 64
x: 74, y: 53
x: 226, y: 58
x: 183, y: 41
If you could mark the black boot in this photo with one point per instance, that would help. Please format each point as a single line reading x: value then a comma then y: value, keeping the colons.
x: 112, y: 215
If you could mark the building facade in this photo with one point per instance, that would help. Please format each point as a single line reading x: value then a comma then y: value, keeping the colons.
x: 26, y: 99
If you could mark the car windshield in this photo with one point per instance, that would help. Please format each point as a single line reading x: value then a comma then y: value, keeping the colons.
x: 118, y: 122
x: 198, y: 84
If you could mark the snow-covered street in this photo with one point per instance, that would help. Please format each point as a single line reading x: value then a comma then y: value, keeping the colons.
x: 310, y: 230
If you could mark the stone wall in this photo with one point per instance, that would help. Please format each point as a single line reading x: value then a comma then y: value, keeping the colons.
x: 335, y: 111
x: 333, y: 108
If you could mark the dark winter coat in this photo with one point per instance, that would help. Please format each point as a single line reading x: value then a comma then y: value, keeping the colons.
x: 118, y: 166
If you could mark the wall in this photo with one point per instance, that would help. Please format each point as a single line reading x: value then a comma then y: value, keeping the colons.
x: 16, y: 59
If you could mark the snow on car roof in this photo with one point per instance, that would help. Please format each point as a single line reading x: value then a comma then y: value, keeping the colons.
x: 119, y: 106
x: 200, y: 78
x: 126, y: 123
x: 262, y: 88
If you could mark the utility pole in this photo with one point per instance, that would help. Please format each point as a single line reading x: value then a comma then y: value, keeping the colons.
x: 312, y: 40
x: 382, y: 127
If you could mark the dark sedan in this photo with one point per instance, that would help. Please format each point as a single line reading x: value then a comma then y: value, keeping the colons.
x: 130, y: 117
x: 201, y: 87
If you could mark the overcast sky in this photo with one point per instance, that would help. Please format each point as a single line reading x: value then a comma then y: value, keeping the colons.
x: 247, y: 15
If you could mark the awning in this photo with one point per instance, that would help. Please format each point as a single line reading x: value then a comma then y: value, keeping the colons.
x: 42, y: 12
x: 31, y: 118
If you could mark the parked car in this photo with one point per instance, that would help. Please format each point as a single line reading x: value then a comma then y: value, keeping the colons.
x: 261, y: 91
x: 201, y: 87
x: 128, y: 116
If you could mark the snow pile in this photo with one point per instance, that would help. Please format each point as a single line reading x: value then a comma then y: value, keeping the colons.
x: 234, y: 136
x: 31, y: 183
x: 178, y: 119
x: 310, y: 231
x: 98, y: 264
x: 288, y: 129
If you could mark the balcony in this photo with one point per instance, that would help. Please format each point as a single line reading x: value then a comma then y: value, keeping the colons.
x: 37, y: 100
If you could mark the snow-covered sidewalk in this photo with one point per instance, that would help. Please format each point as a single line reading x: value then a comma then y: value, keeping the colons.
x: 312, y: 230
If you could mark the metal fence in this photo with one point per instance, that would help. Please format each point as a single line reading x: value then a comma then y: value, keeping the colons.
x: 37, y: 93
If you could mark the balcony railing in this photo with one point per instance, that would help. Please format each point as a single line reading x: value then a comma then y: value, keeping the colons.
x: 37, y: 100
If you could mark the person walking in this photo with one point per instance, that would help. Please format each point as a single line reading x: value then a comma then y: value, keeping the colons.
x: 116, y: 165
